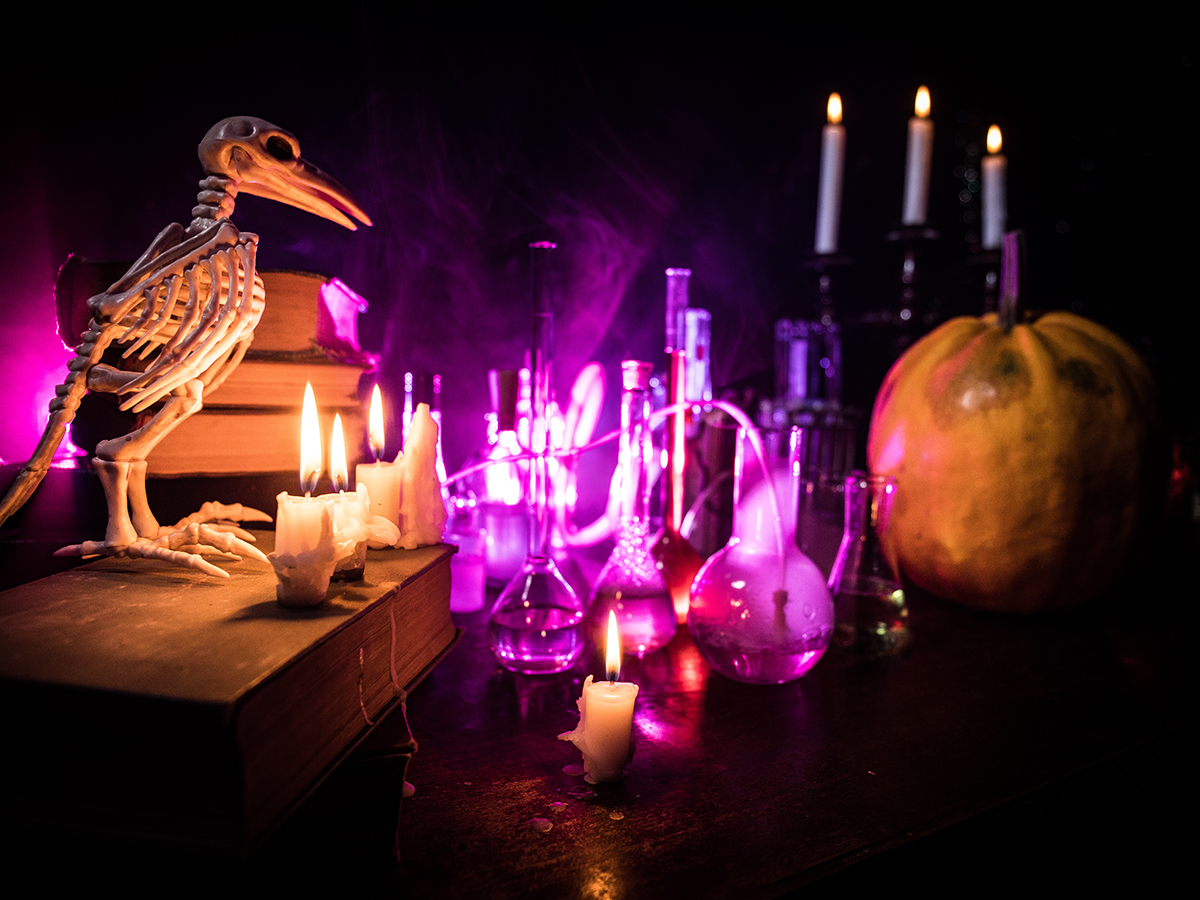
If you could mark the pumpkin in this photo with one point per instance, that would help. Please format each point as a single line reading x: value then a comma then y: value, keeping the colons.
x: 1020, y: 451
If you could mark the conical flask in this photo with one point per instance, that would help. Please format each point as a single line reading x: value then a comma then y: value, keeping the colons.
x: 536, y: 624
x: 631, y: 583
x: 872, y: 617
x: 760, y: 611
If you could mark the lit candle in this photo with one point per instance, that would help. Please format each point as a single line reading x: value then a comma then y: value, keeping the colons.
x: 920, y: 155
x: 349, y: 511
x: 829, y: 196
x: 605, y: 730
x: 383, y: 480
x: 995, y: 192
x: 304, y: 547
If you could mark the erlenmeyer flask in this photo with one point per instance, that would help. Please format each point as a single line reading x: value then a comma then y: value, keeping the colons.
x: 536, y: 624
x: 760, y: 611
x: 872, y: 617
x: 631, y: 583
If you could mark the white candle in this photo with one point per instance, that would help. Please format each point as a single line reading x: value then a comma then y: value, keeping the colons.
x: 605, y: 731
x: 383, y: 480
x: 995, y: 192
x: 422, y: 511
x: 918, y: 160
x: 829, y: 195
x: 304, y: 547
x: 298, y: 524
x: 349, y: 512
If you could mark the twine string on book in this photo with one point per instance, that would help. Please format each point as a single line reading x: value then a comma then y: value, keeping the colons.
x: 361, y: 704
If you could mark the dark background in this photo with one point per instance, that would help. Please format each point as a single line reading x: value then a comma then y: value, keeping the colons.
x: 637, y: 138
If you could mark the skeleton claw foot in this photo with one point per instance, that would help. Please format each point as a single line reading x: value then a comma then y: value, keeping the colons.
x: 221, y: 517
x: 186, y: 548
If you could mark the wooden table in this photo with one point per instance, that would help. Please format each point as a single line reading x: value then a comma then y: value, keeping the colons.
x: 998, y: 753
x: 996, y: 748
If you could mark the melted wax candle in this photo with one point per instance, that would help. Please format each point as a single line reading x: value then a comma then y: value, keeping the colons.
x: 605, y: 731
x: 382, y: 479
x: 304, y: 547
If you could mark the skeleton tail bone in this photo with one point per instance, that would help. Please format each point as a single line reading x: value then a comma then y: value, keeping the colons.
x: 62, y: 411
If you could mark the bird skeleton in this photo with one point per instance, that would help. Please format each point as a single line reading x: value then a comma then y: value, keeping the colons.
x: 184, y: 315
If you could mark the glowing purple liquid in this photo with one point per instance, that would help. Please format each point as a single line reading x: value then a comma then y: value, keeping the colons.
x: 536, y: 641
x: 645, y: 618
x: 728, y: 656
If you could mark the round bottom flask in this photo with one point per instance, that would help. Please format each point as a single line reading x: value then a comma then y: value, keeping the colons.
x: 760, y: 611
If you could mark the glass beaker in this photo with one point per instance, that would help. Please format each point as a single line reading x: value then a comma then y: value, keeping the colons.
x: 467, y: 566
x: 871, y: 613
x: 760, y: 611
x: 631, y: 583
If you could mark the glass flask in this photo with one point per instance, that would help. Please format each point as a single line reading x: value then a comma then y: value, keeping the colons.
x: 871, y: 614
x: 631, y: 583
x: 536, y: 624
x: 760, y: 611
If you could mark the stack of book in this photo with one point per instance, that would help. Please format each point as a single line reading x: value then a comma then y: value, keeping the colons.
x: 251, y: 424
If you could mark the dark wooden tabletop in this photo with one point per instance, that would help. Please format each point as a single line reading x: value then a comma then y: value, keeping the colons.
x: 996, y: 753
x: 748, y: 791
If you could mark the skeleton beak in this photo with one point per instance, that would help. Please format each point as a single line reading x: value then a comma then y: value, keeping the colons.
x: 301, y: 184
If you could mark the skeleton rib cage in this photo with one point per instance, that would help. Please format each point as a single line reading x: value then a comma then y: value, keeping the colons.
x: 198, y: 332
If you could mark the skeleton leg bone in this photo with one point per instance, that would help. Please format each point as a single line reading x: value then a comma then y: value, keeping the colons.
x: 132, y: 528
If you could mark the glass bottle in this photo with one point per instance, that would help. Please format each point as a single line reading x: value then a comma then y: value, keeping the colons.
x: 536, y: 624
x: 871, y: 614
x: 679, y: 560
x: 631, y: 583
x: 760, y: 611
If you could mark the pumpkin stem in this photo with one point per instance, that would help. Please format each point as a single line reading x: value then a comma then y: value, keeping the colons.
x: 1009, y: 310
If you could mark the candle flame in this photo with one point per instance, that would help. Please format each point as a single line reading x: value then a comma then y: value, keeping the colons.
x: 337, y: 456
x: 612, y: 656
x: 922, y: 105
x: 994, y: 141
x: 834, y: 109
x: 375, y: 424
x: 310, y: 443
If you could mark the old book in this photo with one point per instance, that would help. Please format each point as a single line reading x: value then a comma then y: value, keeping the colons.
x: 244, y: 441
x: 260, y: 382
x: 147, y: 703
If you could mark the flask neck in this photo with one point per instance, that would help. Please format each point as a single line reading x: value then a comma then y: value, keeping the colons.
x: 765, y: 492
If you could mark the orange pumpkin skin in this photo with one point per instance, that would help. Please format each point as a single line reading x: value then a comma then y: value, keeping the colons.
x: 1020, y: 459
